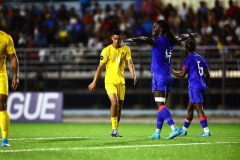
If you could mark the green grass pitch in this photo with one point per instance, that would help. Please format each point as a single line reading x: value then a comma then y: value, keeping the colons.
x: 92, y: 141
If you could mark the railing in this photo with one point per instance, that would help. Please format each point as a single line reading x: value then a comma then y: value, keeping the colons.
x: 71, y: 69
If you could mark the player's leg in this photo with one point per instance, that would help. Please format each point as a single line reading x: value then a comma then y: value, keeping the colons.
x: 198, y: 104
x: 159, y: 123
x: 114, y: 114
x: 164, y: 114
x: 202, y: 119
x: 188, y: 119
x: 4, y: 117
x: 159, y: 100
x: 121, y: 95
x: 161, y: 88
x: 113, y: 97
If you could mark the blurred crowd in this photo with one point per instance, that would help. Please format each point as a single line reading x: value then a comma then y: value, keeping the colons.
x: 91, y: 25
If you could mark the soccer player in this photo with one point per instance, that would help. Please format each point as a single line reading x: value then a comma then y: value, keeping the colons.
x: 198, y: 79
x: 6, y: 49
x: 114, y: 58
x: 162, y: 42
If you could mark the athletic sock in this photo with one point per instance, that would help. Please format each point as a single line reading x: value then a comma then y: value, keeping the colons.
x: 4, y: 123
x: 166, y: 115
x: 204, y: 123
x: 114, y: 122
x: 186, y: 124
x: 160, y: 120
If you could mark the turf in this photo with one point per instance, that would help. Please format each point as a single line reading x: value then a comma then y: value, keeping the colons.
x: 91, y: 141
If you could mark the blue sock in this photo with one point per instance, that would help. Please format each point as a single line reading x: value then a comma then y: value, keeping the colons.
x: 186, y: 123
x: 160, y: 121
x: 166, y: 115
x: 203, y: 122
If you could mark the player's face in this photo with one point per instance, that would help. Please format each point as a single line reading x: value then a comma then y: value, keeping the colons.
x: 156, y: 30
x: 117, y: 40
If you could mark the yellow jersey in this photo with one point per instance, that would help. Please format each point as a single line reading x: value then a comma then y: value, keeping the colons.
x: 115, y: 59
x: 6, y: 47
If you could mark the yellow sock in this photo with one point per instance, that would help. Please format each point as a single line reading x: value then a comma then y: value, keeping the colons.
x: 114, y: 122
x: 4, y: 123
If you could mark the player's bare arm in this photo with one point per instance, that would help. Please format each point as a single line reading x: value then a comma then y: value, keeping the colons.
x: 149, y: 40
x: 206, y: 71
x: 141, y: 39
x: 132, y: 71
x: 14, y: 63
x: 183, y: 37
x: 93, y: 85
x: 181, y: 73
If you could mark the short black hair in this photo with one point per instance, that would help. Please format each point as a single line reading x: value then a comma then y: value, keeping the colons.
x: 117, y: 32
x: 190, y: 45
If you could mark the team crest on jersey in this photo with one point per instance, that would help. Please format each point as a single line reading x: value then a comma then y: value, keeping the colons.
x: 101, y: 57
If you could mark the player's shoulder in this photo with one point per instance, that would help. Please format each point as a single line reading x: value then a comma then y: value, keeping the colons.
x: 199, y: 56
x: 125, y: 47
x: 107, y: 47
x: 4, y: 35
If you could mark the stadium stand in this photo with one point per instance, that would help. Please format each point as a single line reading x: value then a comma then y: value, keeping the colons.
x: 62, y: 42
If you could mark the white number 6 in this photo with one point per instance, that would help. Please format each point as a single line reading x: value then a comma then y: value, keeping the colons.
x: 200, y: 69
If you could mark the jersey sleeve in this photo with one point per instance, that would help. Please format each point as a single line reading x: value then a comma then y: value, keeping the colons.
x: 10, y: 46
x: 104, y: 56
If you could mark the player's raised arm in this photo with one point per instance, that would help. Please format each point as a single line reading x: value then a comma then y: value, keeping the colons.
x: 183, y: 37
x: 141, y: 39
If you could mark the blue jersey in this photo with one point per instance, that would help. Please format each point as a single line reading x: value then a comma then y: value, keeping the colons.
x: 195, y: 65
x: 161, y: 56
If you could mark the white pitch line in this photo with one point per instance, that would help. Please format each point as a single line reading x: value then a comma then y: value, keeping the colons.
x: 47, y: 138
x: 113, y: 147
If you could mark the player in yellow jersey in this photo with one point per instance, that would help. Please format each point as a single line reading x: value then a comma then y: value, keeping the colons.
x: 6, y: 49
x: 114, y: 57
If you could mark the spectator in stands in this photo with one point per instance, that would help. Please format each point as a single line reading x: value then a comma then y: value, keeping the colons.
x: 233, y: 11
x: 7, y: 49
x: 191, y: 17
x: 202, y: 13
x: 114, y: 57
x: 25, y: 20
x: 148, y: 7
x: 230, y: 37
x: 147, y: 24
x: 84, y: 5
x: 183, y: 12
x: 198, y: 80
x: 218, y: 10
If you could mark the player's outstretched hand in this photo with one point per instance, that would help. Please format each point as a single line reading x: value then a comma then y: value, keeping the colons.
x: 128, y: 40
x: 195, y: 35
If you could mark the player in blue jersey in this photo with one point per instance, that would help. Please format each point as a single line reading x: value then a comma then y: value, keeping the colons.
x: 162, y: 42
x: 198, y: 79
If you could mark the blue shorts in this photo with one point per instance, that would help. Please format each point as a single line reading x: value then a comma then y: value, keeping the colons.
x: 196, y: 95
x: 161, y: 83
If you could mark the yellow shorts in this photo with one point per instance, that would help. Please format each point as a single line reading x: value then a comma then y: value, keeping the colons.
x: 118, y: 89
x: 4, y: 84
